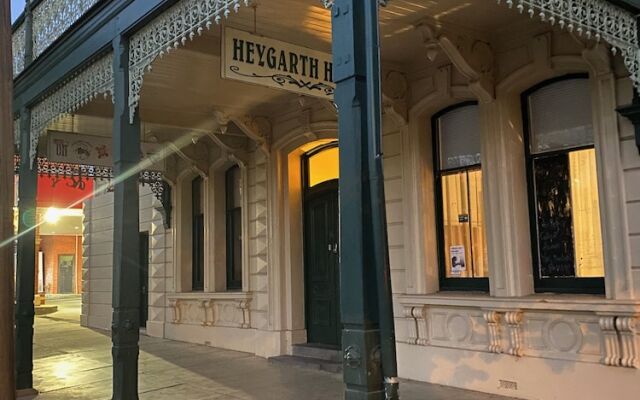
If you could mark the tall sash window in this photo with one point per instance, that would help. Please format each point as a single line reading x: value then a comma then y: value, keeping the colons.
x: 563, y: 187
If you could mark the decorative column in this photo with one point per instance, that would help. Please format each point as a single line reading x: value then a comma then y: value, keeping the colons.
x: 25, y: 271
x: 368, y: 340
x: 28, y: 35
x: 125, y: 328
x: 7, y: 366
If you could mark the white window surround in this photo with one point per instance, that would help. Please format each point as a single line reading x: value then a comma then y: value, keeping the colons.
x: 215, y: 234
x: 215, y: 242
x: 506, y: 206
x: 183, y: 231
x: 421, y: 244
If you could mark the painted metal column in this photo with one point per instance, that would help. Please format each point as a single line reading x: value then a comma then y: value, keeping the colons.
x: 25, y: 271
x: 368, y: 339
x: 125, y: 328
x: 26, y: 249
x: 7, y: 318
x: 28, y: 33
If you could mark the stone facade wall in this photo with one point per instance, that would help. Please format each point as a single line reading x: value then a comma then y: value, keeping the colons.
x: 97, y: 268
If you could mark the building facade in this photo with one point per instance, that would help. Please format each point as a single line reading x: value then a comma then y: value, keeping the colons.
x: 510, y: 180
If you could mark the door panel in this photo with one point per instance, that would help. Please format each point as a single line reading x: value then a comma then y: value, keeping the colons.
x: 144, y: 278
x: 66, y: 267
x: 321, y: 268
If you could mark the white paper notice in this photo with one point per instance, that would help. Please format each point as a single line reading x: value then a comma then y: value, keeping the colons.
x: 458, y: 260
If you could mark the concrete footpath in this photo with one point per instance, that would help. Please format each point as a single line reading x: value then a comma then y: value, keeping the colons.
x: 72, y: 362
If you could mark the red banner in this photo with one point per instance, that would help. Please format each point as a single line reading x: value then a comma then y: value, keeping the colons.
x: 63, y: 192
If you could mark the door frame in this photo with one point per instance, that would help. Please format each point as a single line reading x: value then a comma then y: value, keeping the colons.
x: 309, y: 194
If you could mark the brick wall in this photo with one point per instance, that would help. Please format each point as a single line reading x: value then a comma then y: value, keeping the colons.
x: 53, y: 247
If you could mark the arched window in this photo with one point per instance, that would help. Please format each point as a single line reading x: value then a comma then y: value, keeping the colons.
x: 197, y: 235
x: 233, y: 216
x: 563, y: 187
x: 459, y: 199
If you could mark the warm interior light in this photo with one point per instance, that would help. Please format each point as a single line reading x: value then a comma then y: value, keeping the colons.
x: 324, y: 166
x: 587, y: 236
x: 52, y: 216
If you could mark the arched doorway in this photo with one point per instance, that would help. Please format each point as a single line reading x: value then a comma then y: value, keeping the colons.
x: 321, y: 252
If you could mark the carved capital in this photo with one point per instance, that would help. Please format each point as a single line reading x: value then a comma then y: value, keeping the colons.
x: 394, y: 96
x: 493, y: 319
x: 472, y: 57
x: 611, y: 345
x: 513, y: 319
x: 628, y: 330
x: 175, y: 306
x: 412, y: 336
x: 244, y: 305
x: 258, y: 129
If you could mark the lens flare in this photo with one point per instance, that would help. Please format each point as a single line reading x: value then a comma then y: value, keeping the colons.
x: 131, y: 173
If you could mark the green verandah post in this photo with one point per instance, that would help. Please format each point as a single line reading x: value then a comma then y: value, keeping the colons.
x: 368, y: 339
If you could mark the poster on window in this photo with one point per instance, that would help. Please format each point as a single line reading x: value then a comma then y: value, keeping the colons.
x: 458, y: 260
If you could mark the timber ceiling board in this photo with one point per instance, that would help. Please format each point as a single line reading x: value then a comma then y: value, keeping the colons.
x: 184, y: 88
x: 399, y: 38
x: 304, y: 22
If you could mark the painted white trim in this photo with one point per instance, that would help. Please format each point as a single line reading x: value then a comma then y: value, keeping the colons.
x: 286, y: 262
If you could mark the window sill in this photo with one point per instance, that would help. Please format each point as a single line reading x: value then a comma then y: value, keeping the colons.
x: 231, y: 295
x: 541, y: 301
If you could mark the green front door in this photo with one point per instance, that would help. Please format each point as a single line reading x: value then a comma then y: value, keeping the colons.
x: 322, y: 285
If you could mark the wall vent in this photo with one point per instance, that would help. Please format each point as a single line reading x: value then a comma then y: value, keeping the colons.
x: 510, y: 385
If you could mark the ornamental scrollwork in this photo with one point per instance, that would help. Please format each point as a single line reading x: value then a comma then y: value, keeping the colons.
x: 282, y: 80
x: 18, y: 46
x: 594, y: 19
x: 75, y: 92
x: 78, y: 172
x: 180, y: 23
x: 51, y: 18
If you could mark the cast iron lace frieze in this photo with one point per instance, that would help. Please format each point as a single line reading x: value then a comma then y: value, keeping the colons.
x: 81, y: 172
x: 177, y: 25
x: 593, y: 19
x: 51, y: 18
x: 77, y: 91
x: 17, y: 45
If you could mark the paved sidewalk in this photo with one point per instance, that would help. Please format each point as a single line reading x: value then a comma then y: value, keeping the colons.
x: 72, y: 362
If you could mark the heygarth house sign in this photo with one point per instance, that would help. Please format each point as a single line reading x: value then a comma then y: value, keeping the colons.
x: 268, y: 62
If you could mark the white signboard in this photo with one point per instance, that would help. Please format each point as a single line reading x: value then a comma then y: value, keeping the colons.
x: 75, y: 148
x: 268, y: 62
x: 458, y: 260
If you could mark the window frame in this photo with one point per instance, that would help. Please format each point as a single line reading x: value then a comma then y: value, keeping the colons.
x: 570, y: 285
x: 306, y: 189
x: 449, y: 284
x: 197, y: 236
x: 230, y: 214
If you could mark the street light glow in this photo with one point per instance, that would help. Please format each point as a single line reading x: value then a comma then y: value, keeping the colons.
x: 52, y: 216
